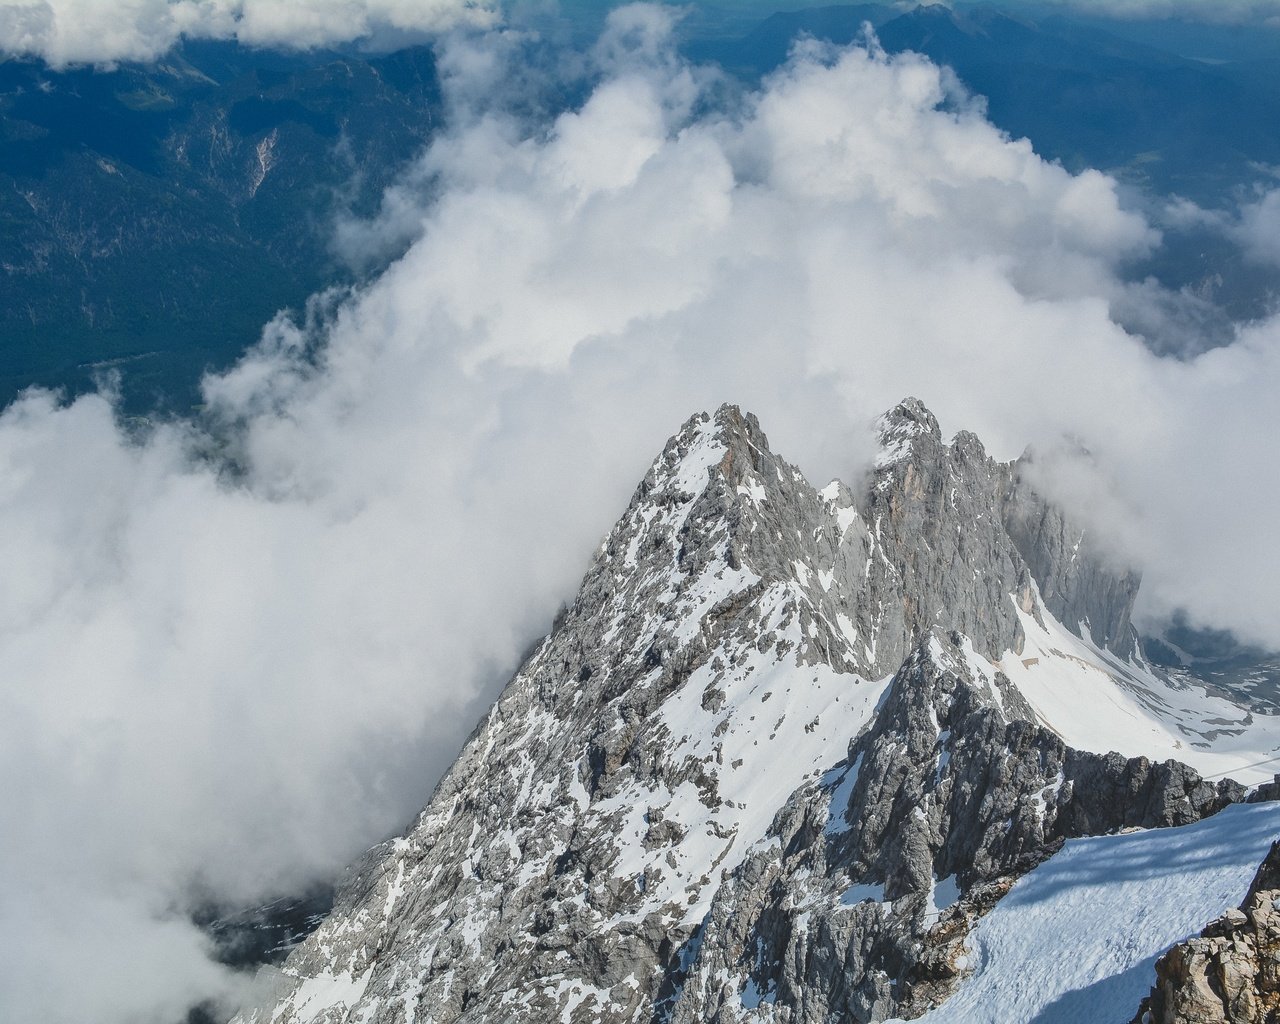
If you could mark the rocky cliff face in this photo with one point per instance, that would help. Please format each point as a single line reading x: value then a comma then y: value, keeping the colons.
x: 1230, y: 974
x: 1064, y: 561
x: 857, y: 905
x: 766, y: 766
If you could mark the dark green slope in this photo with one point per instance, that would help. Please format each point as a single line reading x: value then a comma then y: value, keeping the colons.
x: 1083, y: 95
x: 157, y: 216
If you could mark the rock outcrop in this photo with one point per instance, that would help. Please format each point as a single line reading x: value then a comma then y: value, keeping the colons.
x: 1230, y: 974
x: 857, y: 905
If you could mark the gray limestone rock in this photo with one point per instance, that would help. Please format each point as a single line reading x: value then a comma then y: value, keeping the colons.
x: 647, y: 825
x: 856, y: 907
x: 1076, y: 583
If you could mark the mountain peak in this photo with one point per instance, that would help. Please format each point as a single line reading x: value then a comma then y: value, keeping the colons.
x: 757, y: 683
x: 900, y: 427
x: 912, y: 415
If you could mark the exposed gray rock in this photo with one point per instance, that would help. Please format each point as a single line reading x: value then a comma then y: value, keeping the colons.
x: 857, y: 909
x: 1076, y: 583
x: 642, y: 828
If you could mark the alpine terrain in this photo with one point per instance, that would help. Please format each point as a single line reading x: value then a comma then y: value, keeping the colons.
x: 852, y: 754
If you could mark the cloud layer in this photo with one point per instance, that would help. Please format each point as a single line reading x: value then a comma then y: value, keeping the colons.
x: 234, y: 653
x: 105, y: 31
x: 65, y: 32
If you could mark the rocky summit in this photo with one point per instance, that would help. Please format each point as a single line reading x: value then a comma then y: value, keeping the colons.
x: 782, y: 755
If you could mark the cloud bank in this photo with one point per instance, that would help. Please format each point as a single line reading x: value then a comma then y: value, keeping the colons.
x: 107, y: 31
x: 1258, y: 228
x: 235, y: 652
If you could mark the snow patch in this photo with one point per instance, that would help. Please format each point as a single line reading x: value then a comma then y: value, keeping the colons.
x: 944, y: 894
x: 856, y: 894
x: 844, y: 781
x: 325, y: 991
x: 752, y: 997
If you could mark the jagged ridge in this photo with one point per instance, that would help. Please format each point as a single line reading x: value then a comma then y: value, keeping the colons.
x: 647, y: 825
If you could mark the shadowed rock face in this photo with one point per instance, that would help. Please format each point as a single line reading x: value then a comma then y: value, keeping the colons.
x: 1076, y: 584
x: 953, y: 791
x: 1230, y: 974
x: 648, y: 824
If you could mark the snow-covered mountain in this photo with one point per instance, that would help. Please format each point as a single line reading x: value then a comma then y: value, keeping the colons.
x: 786, y: 752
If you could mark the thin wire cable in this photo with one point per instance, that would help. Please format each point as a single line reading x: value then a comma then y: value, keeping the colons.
x: 1256, y: 764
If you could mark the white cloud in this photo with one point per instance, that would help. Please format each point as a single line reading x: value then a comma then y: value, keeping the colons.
x: 1252, y: 223
x: 106, y: 31
x: 234, y: 658
x: 1258, y: 228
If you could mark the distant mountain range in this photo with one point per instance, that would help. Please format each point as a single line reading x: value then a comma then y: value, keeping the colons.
x: 1087, y: 92
x: 154, y: 217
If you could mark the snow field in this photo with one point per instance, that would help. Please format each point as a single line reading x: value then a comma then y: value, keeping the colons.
x: 1075, y: 941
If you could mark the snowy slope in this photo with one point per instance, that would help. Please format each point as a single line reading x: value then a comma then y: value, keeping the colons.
x: 1097, y: 702
x: 775, y: 727
x: 1075, y: 941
